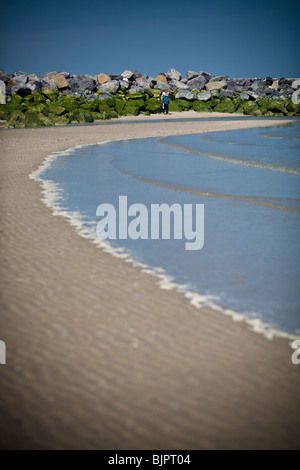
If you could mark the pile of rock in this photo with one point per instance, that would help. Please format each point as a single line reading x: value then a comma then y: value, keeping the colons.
x: 60, y: 98
x: 188, y: 88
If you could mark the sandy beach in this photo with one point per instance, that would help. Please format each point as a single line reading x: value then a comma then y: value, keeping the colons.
x: 98, y: 356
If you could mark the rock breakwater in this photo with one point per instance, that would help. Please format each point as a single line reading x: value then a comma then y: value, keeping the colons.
x: 58, y: 98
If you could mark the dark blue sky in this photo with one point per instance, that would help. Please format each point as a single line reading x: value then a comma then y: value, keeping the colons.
x: 239, y: 39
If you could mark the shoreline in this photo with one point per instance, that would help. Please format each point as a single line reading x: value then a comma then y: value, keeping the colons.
x: 85, y: 345
x: 164, y: 280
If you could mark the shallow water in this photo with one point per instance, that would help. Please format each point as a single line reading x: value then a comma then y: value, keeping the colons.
x: 248, y: 181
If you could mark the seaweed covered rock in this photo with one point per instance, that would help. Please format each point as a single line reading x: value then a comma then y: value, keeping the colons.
x: 153, y: 105
x: 225, y: 106
x: 184, y: 104
x: 16, y: 119
x: 58, y: 98
x: 277, y: 106
x: 120, y: 107
x: 133, y: 107
x: 35, y: 118
x: 68, y: 103
x: 174, y: 106
x: 201, y: 106
x: 50, y: 94
x: 56, y: 109
x: 251, y: 108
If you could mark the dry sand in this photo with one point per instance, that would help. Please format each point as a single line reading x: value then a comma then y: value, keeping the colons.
x: 98, y: 356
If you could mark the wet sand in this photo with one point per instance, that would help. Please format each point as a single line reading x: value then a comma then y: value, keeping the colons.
x: 98, y: 356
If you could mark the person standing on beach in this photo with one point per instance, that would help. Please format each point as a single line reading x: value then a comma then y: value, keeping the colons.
x: 165, y: 101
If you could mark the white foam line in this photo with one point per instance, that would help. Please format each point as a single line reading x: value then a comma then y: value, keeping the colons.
x: 50, y: 197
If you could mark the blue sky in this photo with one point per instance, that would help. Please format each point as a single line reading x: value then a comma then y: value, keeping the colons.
x: 239, y: 39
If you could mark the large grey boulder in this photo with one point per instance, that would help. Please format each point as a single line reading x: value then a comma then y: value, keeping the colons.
x: 82, y: 83
x: 136, y: 74
x: 173, y: 74
x: 248, y: 82
x: 252, y: 95
x: 215, y: 85
x: 20, y: 78
x: 2, y: 92
x: 257, y: 85
x: 287, y: 93
x: 143, y: 82
x: 286, y: 81
x: 219, y: 78
x: 117, y: 76
x: 226, y: 94
x: 186, y: 94
x: 32, y: 77
x: 74, y: 84
x: 34, y: 86
x: 204, y: 96
x: 112, y: 86
x: 173, y: 84
x: 197, y: 83
x: 87, y: 83
x: 48, y: 83
x: 205, y: 75
x: 190, y: 74
x: 127, y: 74
x: 296, y: 84
x: 152, y: 82
x: 268, y: 81
x: 244, y: 96
x: 161, y: 86
x: 136, y: 89
x: 234, y: 85
x: 124, y: 84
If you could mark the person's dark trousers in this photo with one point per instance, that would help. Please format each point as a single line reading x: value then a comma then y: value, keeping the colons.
x: 166, y: 108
